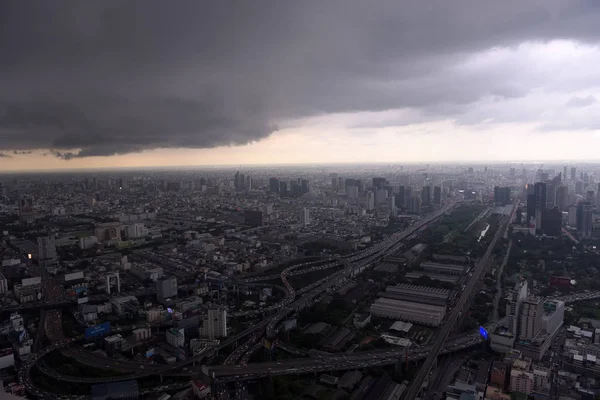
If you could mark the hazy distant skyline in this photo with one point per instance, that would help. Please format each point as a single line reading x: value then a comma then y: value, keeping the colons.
x: 149, y: 83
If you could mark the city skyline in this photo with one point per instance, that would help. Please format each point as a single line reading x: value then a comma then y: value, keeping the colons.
x: 236, y: 84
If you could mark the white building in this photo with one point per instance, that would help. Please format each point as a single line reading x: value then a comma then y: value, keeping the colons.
x: 541, y: 379
x: 16, y: 322
x: 144, y: 271
x: 215, y: 324
x: 176, y: 337
x: 530, y: 321
x: 305, y: 216
x: 155, y: 314
x: 190, y: 303
x: 521, y: 381
x: 554, y: 315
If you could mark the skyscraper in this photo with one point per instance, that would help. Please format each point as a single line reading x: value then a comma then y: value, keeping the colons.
x: 501, y: 195
x: 416, y: 204
x: 553, y: 222
x: 530, y: 203
x: 426, y: 195
x: 408, y: 197
x: 564, y: 175
x: 437, y: 195
x: 573, y: 173
x: 513, y: 306
x: 540, y: 205
x: 370, y: 201
x: 273, y: 185
x: 46, y: 251
x: 215, y: 324
x: 400, y: 197
x: 562, y: 197
x: 530, y: 321
x: 584, y: 219
x: 550, y: 195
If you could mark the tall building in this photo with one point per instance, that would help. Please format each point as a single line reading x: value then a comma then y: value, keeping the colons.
x: 400, y: 197
x: 589, y: 197
x: 540, y: 205
x: 554, y: 315
x: 379, y: 182
x: 408, y: 197
x: 437, y: 195
x: 380, y: 196
x: 584, y: 219
x: 562, y: 197
x: 26, y: 207
x: 553, y: 222
x: 215, y: 325
x: 572, y: 218
x: 166, y: 288
x: 370, y: 201
x: 274, y: 185
x: 513, y: 307
x: 564, y: 175
x: 416, y: 204
x: 530, y: 203
x: 550, y: 195
x: 573, y: 173
x: 501, y: 195
x: 530, y: 321
x: 236, y: 181
x: 46, y: 251
x: 305, y: 216
x: 426, y: 195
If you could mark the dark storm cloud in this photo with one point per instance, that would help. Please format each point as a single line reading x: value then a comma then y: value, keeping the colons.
x: 114, y: 77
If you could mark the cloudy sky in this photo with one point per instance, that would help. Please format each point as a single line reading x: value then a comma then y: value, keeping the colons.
x: 154, y: 82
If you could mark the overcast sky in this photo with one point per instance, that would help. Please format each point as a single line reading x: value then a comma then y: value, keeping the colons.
x: 151, y: 82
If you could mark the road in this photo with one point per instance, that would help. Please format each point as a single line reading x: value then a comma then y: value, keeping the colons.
x: 498, y: 294
x: 416, y: 384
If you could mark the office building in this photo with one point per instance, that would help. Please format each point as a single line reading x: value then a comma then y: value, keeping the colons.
x: 530, y: 203
x: 352, y: 191
x: 426, y: 195
x: 215, y: 324
x: 573, y: 173
x: 305, y: 216
x: 530, y: 318
x: 46, y: 251
x: 572, y: 216
x: 554, y: 315
x: 408, y: 196
x: 274, y: 185
x: 166, y: 288
x: 176, y: 337
x: 553, y: 222
x: 540, y: 205
x: 562, y: 197
x: 416, y: 205
x: 391, y: 203
x: 550, y: 195
x: 381, y: 196
x: 501, y: 195
x: 401, y: 197
x: 513, y: 306
x: 370, y: 201
x: 26, y: 208
x: 584, y: 219
x: 437, y: 195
